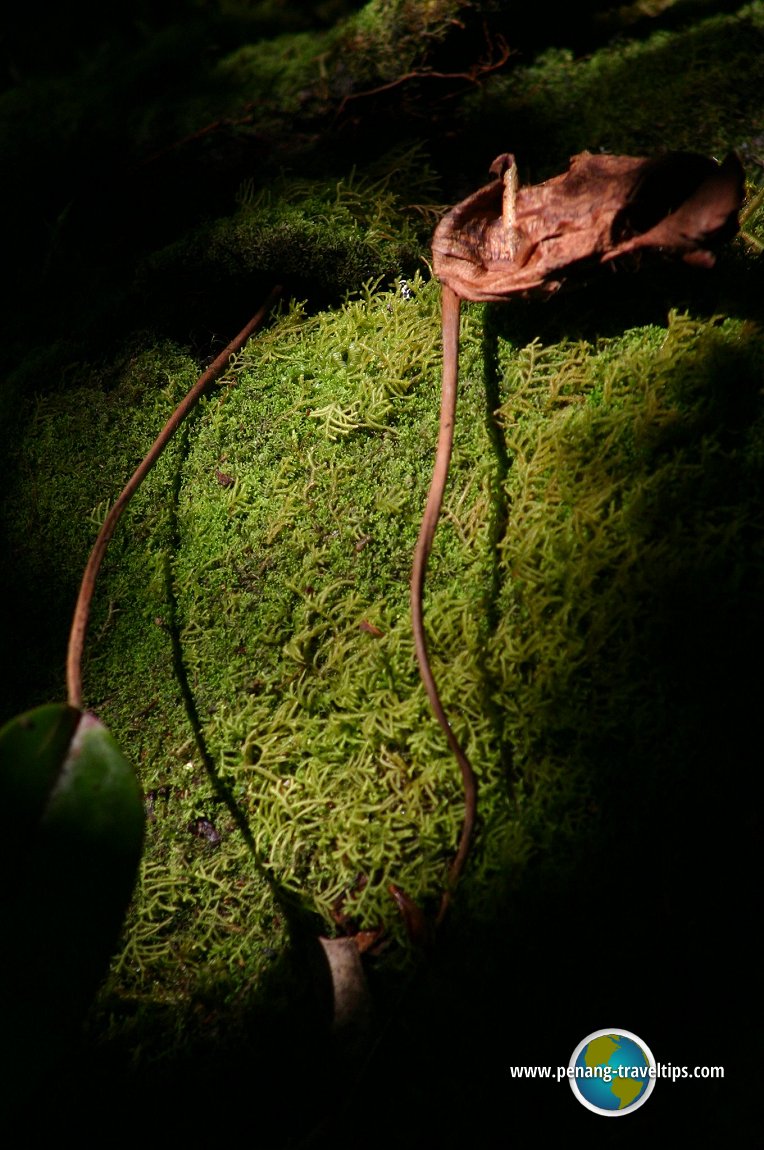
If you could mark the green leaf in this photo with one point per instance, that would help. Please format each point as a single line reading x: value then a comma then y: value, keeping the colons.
x: 74, y: 820
x: 32, y: 748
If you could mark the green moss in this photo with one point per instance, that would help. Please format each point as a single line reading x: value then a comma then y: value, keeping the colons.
x: 704, y: 84
x: 321, y: 238
x: 596, y: 576
x: 106, y: 417
x: 297, y: 495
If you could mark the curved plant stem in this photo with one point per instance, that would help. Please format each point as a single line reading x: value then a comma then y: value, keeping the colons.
x: 87, y: 587
x: 451, y: 314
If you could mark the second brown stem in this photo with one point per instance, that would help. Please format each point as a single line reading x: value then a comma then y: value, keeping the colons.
x: 87, y: 587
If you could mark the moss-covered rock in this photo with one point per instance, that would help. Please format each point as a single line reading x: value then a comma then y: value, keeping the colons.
x: 592, y: 595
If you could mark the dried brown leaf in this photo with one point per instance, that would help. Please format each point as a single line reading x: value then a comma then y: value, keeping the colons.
x: 506, y: 240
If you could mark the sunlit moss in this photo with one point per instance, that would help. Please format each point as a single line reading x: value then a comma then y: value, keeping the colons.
x: 283, y: 523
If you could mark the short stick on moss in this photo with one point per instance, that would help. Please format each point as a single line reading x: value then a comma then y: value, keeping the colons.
x: 87, y: 587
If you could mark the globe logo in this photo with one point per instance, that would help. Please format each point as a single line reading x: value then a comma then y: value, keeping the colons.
x: 612, y: 1072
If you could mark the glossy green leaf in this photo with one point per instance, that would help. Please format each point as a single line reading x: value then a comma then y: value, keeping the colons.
x: 32, y: 748
x: 75, y: 822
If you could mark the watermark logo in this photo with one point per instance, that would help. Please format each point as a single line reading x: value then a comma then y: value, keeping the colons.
x: 612, y: 1072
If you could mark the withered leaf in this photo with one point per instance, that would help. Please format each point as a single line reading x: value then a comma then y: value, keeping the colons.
x: 417, y: 926
x: 506, y: 240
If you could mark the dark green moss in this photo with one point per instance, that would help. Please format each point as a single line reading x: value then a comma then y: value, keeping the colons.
x: 704, y: 83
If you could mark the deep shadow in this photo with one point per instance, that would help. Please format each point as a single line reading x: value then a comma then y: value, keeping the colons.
x: 303, y: 925
x: 604, y: 302
x: 499, y: 519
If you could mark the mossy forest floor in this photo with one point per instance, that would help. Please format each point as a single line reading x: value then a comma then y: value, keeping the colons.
x: 594, y: 599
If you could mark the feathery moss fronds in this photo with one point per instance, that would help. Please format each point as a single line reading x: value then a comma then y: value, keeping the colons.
x: 285, y: 554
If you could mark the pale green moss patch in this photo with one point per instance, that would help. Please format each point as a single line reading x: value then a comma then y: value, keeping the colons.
x: 275, y: 542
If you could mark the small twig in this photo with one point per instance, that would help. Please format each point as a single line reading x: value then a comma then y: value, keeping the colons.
x: 87, y: 587
x: 473, y: 76
x: 752, y: 241
x: 747, y: 213
x: 751, y: 207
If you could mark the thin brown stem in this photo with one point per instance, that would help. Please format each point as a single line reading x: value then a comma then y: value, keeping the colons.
x: 87, y: 587
x: 451, y: 315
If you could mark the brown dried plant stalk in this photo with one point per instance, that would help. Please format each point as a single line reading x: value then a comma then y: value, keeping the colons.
x: 87, y: 587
